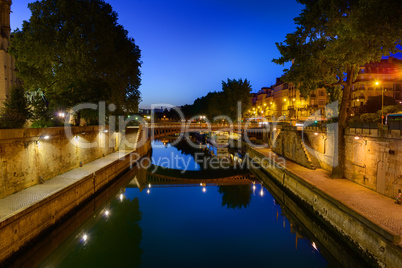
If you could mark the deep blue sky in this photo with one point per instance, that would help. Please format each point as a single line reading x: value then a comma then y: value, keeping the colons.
x: 190, y: 46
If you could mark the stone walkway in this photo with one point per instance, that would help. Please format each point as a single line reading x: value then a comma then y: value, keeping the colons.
x: 377, y: 208
x: 13, y: 204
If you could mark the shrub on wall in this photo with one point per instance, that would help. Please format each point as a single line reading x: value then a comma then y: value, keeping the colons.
x: 370, y: 117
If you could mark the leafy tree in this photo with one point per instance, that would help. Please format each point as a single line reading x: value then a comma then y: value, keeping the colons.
x: 235, y: 91
x: 370, y: 117
x: 332, y: 39
x: 223, y: 102
x: 187, y: 110
x: 209, y: 105
x: 391, y: 109
x: 16, y: 109
x: 75, y: 51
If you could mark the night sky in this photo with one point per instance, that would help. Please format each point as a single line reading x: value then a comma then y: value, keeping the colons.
x: 189, y: 47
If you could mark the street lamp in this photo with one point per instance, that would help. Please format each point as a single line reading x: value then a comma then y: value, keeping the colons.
x: 42, y: 137
x: 358, y: 137
x: 382, y: 102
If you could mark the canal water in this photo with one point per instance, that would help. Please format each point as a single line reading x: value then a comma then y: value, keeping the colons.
x: 136, y: 223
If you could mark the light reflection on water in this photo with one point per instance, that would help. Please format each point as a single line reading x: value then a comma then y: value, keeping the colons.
x: 198, y: 226
x: 225, y: 226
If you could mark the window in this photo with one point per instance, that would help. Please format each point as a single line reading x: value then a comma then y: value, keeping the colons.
x: 321, y: 93
x: 321, y: 102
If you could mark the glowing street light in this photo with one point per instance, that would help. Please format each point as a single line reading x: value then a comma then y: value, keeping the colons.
x: 314, y: 246
x: 85, y: 237
x: 42, y: 137
x: 262, y: 192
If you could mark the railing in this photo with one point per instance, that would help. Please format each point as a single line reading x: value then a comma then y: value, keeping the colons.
x: 198, y: 125
x: 395, y: 126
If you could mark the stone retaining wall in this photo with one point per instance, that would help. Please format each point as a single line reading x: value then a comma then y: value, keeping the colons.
x: 371, y: 155
x: 378, y: 242
x: 19, y: 229
x: 27, y: 158
x: 372, y: 159
x: 288, y: 144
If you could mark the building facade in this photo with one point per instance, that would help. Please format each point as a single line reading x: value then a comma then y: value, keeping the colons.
x: 378, y: 78
x: 284, y: 100
x: 7, y: 65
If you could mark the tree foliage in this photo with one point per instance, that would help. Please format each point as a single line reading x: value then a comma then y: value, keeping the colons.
x: 75, y: 51
x: 226, y: 101
x: 333, y: 39
x: 16, y: 109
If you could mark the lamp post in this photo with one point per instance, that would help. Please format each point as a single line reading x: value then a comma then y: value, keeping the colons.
x: 382, y: 103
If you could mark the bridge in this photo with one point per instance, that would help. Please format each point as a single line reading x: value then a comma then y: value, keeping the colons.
x: 165, y: 177
x: 157, y: 130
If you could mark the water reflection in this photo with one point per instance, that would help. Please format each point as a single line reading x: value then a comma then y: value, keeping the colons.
x: 111, y: 239
x: 235, y: 196
x: 206, y: 222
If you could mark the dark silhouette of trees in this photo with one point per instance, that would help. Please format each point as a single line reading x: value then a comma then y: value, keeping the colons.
x: 75, y: 51
x: 235, y: 196
x: 332, y: 40
x: 225, y: 102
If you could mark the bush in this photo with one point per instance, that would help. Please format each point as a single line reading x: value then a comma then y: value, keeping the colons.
x: 370, y: 117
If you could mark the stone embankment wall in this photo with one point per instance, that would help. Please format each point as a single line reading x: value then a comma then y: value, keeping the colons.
x: 370, y: 238
x: 374, y: 159
x: 287, y: 142
x: 320, y: 143
x: 371, y: 156
x: 27, y: 158
x: 18, y: 229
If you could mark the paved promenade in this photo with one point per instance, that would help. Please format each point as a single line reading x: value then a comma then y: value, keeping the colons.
x: 17, y: 202
x: 377, y: 208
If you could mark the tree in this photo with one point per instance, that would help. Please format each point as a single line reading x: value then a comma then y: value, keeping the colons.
x: 235, y: 91
x: 16, y: 109
x: 332, y: 40
x: 75, y: 51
